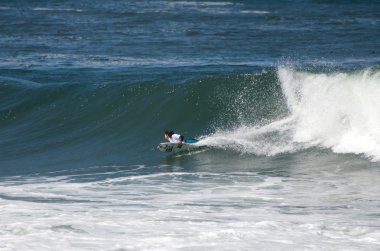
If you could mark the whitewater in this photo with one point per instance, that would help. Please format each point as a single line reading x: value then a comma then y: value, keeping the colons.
x: 179, y: 210
x: 285, y: 94
x: 306, y: 181
x: 337, y: 111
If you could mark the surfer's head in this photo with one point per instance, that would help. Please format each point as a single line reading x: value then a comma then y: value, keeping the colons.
x: 168, y: 134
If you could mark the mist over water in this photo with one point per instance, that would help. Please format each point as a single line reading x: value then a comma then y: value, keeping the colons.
x: 284, y: 94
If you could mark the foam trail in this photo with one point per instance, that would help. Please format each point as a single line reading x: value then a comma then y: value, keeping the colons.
x: 257, y: 140
x: 339, y: 111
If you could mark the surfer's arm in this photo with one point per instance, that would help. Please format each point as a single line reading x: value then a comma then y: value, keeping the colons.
x: 181, y: 139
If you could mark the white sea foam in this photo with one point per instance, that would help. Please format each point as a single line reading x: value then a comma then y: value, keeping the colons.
x: 57, y: 9
x: 260, y: 12
x: 195, y: 211
x: 201, y: 3
x: 339, y: 111
x: 209, y: 7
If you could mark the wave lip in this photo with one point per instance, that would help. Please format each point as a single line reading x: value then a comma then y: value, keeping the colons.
x: 338, y: 111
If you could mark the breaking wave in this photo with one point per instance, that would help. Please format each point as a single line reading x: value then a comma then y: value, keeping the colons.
x: 339, y: 111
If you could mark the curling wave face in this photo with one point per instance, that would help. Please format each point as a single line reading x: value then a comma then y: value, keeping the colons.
x: 270, y: 112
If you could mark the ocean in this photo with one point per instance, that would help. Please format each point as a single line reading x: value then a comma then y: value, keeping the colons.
x: 285, y: 95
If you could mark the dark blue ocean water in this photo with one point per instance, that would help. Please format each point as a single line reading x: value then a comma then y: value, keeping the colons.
x: 285, y: 94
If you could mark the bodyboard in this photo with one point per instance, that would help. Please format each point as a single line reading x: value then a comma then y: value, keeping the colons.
x: 176, y: 148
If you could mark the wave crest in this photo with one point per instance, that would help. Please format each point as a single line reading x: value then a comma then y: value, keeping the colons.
x: 339, y: 111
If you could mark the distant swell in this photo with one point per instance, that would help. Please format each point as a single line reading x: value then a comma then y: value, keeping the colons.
x: 339, y: 111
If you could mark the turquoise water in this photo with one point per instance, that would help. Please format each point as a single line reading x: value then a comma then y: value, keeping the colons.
x: 283, y: 93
